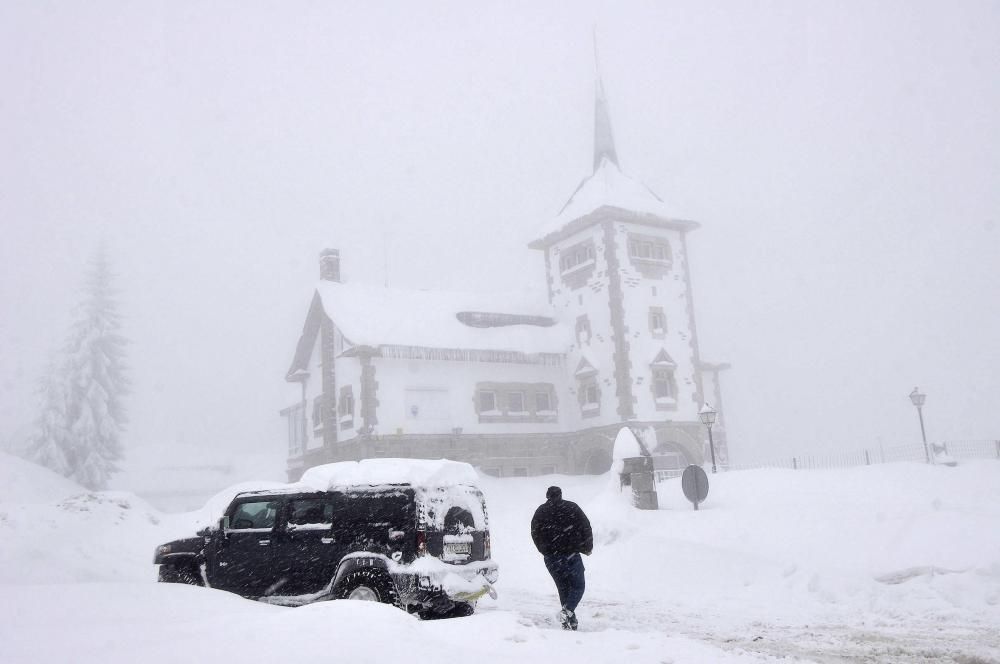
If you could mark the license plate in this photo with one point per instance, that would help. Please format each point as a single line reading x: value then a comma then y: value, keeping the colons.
x: 458, y: 548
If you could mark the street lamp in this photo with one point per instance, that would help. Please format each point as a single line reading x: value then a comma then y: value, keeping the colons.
x: 707, y: 415
x: 918, y: 400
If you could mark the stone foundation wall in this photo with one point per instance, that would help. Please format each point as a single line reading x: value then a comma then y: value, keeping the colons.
x: 505, y: 455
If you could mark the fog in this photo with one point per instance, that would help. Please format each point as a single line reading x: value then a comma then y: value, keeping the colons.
x: 841, y: 158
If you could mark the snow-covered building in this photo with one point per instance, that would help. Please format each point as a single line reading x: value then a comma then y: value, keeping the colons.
x: 512, y: 386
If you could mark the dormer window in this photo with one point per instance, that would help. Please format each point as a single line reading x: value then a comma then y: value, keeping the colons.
x: 664, y: 383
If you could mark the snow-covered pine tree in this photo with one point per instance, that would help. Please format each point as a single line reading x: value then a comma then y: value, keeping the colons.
x: 96, y: 382
x: 48, y: 443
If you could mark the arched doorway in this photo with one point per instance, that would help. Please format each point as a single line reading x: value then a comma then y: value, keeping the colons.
x: 598, y: 462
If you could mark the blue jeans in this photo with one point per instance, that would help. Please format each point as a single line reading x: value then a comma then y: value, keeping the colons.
x: 567, y: 572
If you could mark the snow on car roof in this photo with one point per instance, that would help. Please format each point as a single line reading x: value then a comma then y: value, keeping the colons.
x: 376, y: 472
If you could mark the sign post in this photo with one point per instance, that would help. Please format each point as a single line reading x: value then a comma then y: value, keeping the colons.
x: 694, y: 482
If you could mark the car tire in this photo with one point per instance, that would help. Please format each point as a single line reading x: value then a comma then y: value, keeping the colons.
x: 186, y: 574
x: 368, y: 585
x: 458, y: 610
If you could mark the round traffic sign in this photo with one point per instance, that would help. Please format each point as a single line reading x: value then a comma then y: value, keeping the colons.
x: 694, y: 482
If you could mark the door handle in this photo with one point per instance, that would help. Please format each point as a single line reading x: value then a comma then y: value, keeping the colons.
x: 326, y: 540
x: 264, y: 542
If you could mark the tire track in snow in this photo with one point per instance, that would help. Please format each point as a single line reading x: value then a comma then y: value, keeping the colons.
x: 905, y: 641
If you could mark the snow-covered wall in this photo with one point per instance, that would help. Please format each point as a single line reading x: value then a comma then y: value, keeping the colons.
x: 622, y: 278
x: 580, y: 296
x: 655, y: 290
x: 437, y: 396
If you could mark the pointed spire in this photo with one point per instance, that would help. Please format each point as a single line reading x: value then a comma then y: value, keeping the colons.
x: 604, y: 140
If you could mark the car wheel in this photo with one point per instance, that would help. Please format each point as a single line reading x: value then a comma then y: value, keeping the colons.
x: 369, y: 586
x: 458, y: 610
x: 186, y: 574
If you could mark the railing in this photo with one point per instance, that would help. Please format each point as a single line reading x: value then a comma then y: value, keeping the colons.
x: 955, y: 449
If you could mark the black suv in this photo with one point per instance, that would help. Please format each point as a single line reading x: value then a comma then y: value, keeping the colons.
x: 419, y: 543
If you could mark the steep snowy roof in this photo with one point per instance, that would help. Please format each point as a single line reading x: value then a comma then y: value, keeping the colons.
x: 375, y: 316
x: 610, y: 187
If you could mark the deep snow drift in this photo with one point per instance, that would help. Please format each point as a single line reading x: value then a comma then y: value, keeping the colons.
x: 890, y: 563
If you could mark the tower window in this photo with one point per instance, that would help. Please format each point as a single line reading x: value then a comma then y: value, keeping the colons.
x: 651, y: 250
x: 662, y: 379
x: 576, y: 256
x: 577, y: 264
x: 650, y: 254
x: 657, y: 322
x: 589, y: 395
x: 664, y: 387
x: 582, y: 330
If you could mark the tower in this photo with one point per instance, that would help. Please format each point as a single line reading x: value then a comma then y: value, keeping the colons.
x: 617, y: 271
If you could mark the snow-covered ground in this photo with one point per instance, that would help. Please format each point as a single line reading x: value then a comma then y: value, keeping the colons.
x: 889, y: 563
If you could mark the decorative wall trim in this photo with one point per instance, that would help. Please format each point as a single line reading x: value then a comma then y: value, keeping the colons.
x: 572, y: 453
x: 329, y: 381
x: 619, y: 331
x: 469, y: 355
x: 699, y: 388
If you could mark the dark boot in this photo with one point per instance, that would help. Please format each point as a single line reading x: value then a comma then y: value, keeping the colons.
x: 567, y: 619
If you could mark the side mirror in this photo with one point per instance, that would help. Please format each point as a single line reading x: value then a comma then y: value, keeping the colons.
x: 224, y: 524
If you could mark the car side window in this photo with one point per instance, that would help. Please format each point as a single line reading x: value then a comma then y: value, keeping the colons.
x: 310, y: 514
x: 255, y: 515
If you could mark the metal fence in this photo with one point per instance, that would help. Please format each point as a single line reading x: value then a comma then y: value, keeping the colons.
x: 954, y: 449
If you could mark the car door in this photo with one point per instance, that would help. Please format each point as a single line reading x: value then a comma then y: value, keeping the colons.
x: 306, y: 553
x: 243, y: 555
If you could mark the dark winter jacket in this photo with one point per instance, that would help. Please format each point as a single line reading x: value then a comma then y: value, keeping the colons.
x: 560, y: 527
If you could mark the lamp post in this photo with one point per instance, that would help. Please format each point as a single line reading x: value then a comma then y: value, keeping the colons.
x: 707, y: 415
x: 918, y: 400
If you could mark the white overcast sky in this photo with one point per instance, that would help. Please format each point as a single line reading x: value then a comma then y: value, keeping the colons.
x: 843, y: 160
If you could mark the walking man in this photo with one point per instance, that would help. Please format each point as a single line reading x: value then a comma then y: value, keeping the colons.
x: 561, y: 532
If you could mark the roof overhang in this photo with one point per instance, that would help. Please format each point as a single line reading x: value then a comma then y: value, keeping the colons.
x: 299, y: 370
x: 616, y: 214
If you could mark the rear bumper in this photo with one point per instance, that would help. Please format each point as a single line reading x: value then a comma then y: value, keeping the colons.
x: 442, y: 586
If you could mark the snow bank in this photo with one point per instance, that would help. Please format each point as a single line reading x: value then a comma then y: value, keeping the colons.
x: 155, y: 623
x: 888, y: 563
x: 87, y: 537
x: 25, y: 482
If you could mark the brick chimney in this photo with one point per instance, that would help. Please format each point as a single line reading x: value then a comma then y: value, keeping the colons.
x: 329, y: 265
